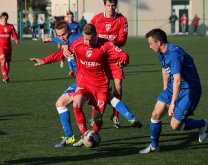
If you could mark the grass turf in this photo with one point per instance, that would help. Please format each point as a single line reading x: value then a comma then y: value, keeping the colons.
x: 29, y: 123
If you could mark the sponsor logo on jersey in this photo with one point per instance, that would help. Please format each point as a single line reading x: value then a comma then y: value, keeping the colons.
x: 107, y: 26
x: 4, y: 35
x: 90, y: 63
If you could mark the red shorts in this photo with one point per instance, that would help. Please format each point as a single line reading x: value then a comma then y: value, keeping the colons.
x: 97, y: 95
x: 5, y: 53
x: 116, y: 72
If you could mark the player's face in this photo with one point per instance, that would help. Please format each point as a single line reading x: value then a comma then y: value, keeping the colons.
x: 62, y: 34
x: 90, y: 40
x: 154, y: 45
x: 110, y: 8
x: 70, y: 18
x: 4, y: 20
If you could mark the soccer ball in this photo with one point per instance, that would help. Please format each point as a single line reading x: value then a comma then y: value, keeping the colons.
x: 91, y: 139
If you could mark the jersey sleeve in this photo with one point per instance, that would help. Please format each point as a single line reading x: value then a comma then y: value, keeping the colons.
x: 176, y: 63
x: 116, y: 54
x: 57, y: 40
x: 14, y: 34
x: 123, y: 33
x: 54, y: 57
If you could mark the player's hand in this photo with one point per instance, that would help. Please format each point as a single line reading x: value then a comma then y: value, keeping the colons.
x: 66, y: 52
x: 46, y: 39
x: 17, y: 42
x: 171, y: 110
x: 122, y: 63
x: 37, y: 61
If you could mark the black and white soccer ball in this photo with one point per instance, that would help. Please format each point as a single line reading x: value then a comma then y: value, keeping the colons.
x: 91, y: 139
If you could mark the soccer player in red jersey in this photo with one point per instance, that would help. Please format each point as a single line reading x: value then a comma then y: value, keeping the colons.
x: 113, y: 26
x: 92, y: 78
x: 6, y: 31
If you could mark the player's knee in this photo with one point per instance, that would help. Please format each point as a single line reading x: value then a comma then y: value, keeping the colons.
x: 59, y: 103
x: 175, y: 126
x: 156, y: 116
x: 76, y: 104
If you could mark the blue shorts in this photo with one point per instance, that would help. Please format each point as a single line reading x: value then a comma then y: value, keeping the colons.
x: 186, y: 103
x: 71, y: 89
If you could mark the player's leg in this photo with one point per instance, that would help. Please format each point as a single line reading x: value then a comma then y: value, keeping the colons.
x: 188, y: 100
x: 156, y: 127
x: 64, y: 115
x: 98, y: 122
x: 78, y: 103
x: 3, y: 68
x: 118, y: 95
x: 123, y: 109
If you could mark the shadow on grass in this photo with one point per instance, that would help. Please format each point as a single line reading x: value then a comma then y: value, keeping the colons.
x: 10, y: 117
x: 40, y: 80
x: 108, y: 152
x: 182, y: 141
x: 124, y: 148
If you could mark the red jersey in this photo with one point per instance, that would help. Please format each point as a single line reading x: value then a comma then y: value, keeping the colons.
x: 92, y: 61
x: 6, y: 31
x: 113, y: 29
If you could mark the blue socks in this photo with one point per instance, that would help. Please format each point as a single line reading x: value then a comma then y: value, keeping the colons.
x: 64, y: 115
x: 155, y: 130
x: 122, y: 109
x: 192, y: 124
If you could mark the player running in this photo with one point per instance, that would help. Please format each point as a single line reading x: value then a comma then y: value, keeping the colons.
x: 181, y: 90
x: 113, y: 26
x: 6, y: 31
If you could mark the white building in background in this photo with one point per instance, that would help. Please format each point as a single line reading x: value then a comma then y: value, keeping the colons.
x: 142, y: 15
x: 11, y: 8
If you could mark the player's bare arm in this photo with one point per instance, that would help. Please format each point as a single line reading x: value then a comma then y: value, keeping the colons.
x: 66, y: 52
x: 46, y: 39
x: 165, y: 78
x: 176, y: 89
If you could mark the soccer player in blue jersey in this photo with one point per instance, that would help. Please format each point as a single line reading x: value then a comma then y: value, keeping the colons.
x: 75, y: 30
x: 65, y: 40
x: 181, y: 90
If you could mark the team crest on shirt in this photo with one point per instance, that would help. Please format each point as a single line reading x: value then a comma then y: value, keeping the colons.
x: 107, y: 26
x: 5, y: 29
x: 89, y: 52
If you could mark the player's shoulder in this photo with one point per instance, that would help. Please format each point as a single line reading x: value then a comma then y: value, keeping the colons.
x: 120, y: 16
x: 98, y: 16
x: 10, y: 25
x: 77, y: 42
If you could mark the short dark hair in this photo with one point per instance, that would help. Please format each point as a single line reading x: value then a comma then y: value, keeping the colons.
x: 4, y: 14
x: 69, y: 12
x: 63, y: 25
x: 111, y: 1
x: 157, y: 35
x: 89, y: 29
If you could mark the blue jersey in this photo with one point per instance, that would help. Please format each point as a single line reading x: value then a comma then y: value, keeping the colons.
x: 176, y: 60
x: 71, y: 38
x: 75, y: 28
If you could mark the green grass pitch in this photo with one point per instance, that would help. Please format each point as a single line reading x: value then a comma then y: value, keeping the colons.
x: 30, y: 127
